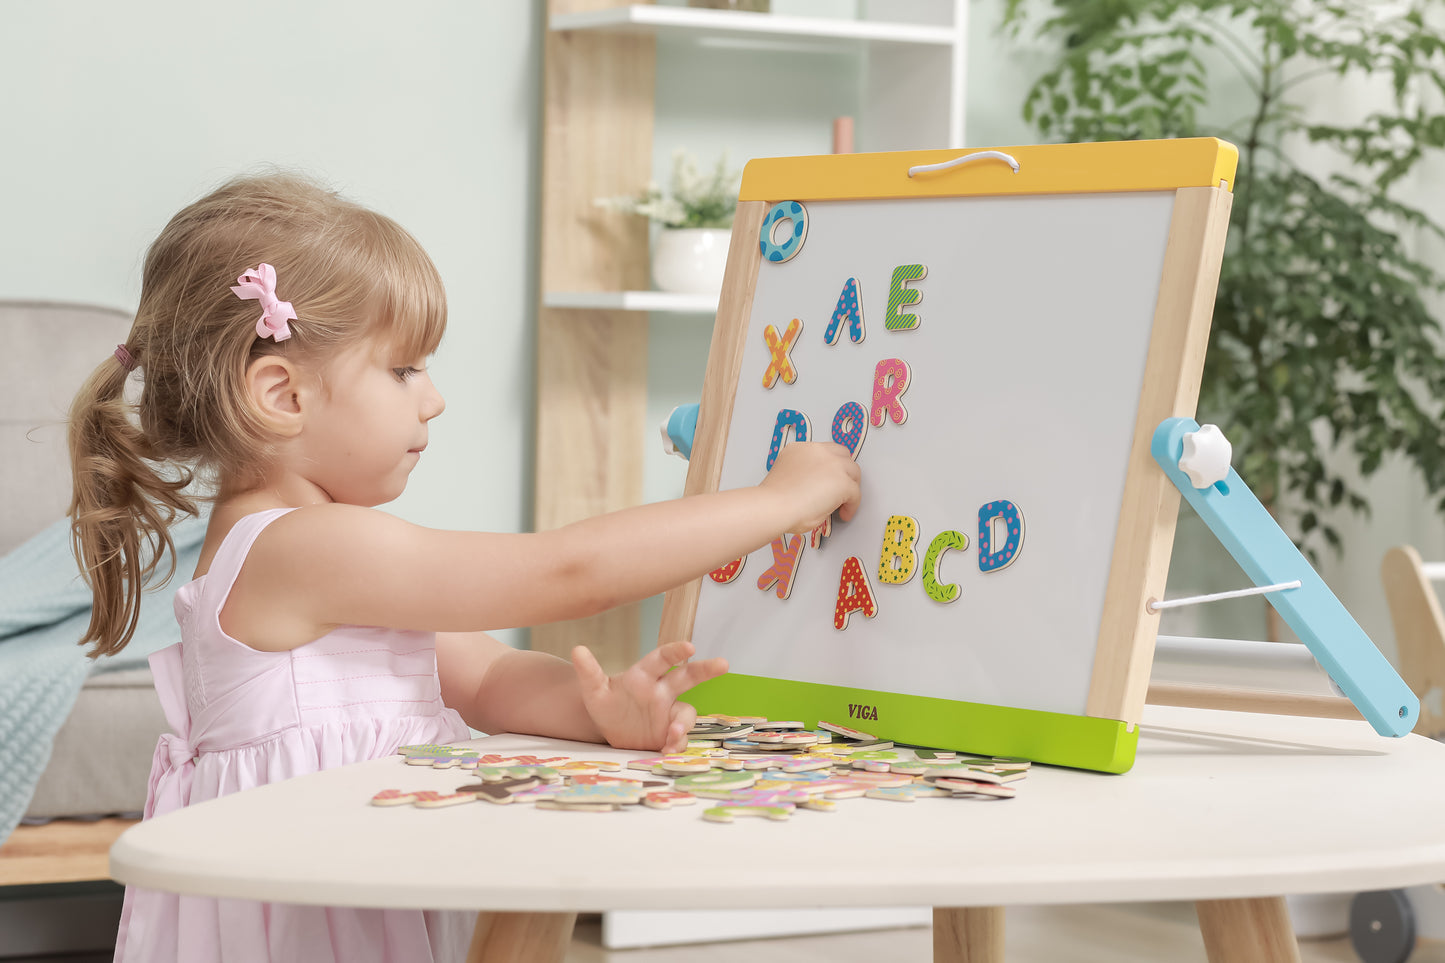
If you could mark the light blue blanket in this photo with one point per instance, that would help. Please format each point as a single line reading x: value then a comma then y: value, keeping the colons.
x: 44, y: 609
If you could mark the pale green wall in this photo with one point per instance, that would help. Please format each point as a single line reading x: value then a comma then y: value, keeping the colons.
x: 116, y: 115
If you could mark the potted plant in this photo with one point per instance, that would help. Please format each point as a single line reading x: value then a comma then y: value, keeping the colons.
x: 694, y: 219
x: 1322, y: 338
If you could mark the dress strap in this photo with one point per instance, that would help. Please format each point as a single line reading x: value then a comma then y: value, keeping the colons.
x: 182, y: 671
x: 226, y: 566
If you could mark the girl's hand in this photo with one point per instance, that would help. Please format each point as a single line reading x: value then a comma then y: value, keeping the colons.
x: 638, y: 708
x: 817, y: 477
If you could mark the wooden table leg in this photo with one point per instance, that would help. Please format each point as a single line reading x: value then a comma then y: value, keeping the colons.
x: 970, y: 934
x: 1247, y: 930
x: 521, y: 937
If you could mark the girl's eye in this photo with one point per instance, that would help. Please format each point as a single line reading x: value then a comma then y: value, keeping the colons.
x: 404, y: 374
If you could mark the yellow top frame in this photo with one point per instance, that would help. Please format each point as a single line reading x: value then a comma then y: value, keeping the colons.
x: 1157, y: 165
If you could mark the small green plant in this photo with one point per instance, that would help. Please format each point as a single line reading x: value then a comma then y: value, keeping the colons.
x: 1322, y: 337
x: 694, y: 199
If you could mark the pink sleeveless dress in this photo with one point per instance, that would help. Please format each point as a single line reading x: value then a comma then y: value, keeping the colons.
x: 245, y: 718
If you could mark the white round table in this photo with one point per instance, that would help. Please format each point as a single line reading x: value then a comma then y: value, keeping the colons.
x: 1231, y: 810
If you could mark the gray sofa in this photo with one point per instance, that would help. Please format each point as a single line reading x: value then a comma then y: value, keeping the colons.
x: 100, y: 761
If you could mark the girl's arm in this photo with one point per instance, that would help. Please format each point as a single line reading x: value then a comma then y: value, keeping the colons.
x: 329, y: 565
x: 496, y: 688
x: 499, y: 689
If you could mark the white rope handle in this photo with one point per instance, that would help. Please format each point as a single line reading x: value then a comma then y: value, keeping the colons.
x: 964, y: 159
x: 1155, y: 605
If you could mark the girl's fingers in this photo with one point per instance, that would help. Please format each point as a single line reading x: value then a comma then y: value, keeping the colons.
x: 685, y: 716
x: 664, y: 657
x: 589, y: 673
x: 676, y: 739
x: 694, y: 673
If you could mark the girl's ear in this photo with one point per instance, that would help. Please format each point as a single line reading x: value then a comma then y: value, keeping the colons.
x: 274, y: 388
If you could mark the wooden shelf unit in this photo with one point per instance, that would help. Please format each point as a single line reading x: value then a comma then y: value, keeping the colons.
x: 599, y: 67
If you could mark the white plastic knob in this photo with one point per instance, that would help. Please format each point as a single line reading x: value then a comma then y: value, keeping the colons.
x: 668, y: 445
x: 1206, y: 456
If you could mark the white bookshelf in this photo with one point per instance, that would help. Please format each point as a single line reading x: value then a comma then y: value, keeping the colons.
x: 738, y: 25
x: 910, y: 52
x: 633, y: 301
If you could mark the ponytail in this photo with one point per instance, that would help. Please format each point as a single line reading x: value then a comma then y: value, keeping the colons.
x: 121, y: 507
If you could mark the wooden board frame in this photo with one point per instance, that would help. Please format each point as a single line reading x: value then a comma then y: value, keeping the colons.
x: 1200, y: 172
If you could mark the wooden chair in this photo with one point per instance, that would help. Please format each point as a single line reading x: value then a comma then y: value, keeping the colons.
x: 1419, y: 631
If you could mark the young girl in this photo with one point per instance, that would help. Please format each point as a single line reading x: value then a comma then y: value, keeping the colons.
x: 281, y: 345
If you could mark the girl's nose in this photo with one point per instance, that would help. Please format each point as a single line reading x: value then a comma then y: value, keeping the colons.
x: 433, y: 405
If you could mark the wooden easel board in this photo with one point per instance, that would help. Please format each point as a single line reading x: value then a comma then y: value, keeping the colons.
x: 1063, y: 314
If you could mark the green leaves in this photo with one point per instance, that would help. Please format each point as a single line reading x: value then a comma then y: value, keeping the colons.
x: 1112, y: 86
x: 1322, y: 339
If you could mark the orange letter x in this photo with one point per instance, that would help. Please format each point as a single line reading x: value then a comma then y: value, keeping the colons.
x: 779, y: 347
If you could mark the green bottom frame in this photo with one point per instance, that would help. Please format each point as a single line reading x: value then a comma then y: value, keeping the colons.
x: 1055, y: 738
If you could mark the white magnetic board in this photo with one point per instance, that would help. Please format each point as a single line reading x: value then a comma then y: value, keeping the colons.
x: 1024, y: 384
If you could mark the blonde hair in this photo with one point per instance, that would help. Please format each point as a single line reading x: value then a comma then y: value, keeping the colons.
x: 351, y: 274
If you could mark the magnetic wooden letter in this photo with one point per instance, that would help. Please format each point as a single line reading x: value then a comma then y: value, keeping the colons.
x: 890, y: 380
x: 900, y: 295
x: 788, y: 420
x: 850, y: 309
x: 726, y: 573
x: 850, y: 426
x: 1000, y: 514
x: 942, y: 542
x: 854, y: 594
x: 787, y: 550
x: 779, y: 364
x: 897, y: 561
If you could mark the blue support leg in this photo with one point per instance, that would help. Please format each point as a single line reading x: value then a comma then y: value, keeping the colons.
x: 1268, y: 557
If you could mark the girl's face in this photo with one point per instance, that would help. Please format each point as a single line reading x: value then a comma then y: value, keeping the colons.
x: 367, y: 425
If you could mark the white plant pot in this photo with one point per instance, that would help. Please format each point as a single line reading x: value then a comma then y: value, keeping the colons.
x: 690, y: 260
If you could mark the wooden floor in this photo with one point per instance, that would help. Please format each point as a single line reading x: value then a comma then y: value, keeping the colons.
x: 1133, y: 933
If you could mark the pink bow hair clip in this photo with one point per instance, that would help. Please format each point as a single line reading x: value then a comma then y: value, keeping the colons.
x: 259, y: 284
